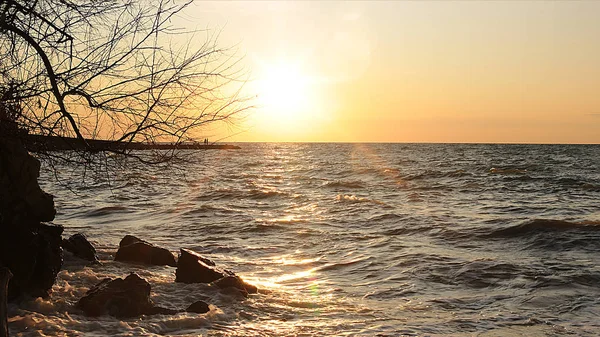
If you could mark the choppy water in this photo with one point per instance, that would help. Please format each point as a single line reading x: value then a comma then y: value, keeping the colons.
x: 349, y: 239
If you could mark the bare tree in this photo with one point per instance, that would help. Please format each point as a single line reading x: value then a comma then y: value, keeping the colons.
x: 112, y: 69
x: 83, y: 70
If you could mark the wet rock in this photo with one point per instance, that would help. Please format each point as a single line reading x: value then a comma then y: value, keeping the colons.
x: 234, y: 281
x: 79, y: 245
x: 193, y: 268
x: 121, y: 298
x: 199, y: 307
x: 5, y: 276
x: 133, y: 249
x: 34, y: 257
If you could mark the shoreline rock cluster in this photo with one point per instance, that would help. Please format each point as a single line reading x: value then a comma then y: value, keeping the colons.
x: 130, y: 297
x: 31, y: 251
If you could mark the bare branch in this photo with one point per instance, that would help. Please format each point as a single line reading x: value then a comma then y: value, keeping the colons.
x: 114, y: 70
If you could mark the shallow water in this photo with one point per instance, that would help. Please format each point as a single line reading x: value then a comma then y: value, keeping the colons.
x: 347, y: 239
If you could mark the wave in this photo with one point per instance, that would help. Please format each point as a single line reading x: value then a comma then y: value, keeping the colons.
x: 509, y: 170
x: 345, y: 184
x: 545, y: 225
x: 573, y: 182
x: 402, y: 291
x: 523, y: 177
x: 263, y: 228
x: 414, y: 229
x: 207, y: 210
x: 284, y: 221
x: 229, y: 193
x: 339, y: 265
x: 219, y: 194
x: 391, y: 171
x: 436, y: 175
x: 386, y: 217
x: 485, y: 273
x: 590, y: 187
x: 367, y: 171
x: 351, y: 198
x: 264, y: 194
x: 107, y: 211
x: 252, y: 164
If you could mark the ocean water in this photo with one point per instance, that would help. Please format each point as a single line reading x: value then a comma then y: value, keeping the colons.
x: 345, y: 239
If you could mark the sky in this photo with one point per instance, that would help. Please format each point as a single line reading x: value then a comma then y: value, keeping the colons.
x: 403, y: 71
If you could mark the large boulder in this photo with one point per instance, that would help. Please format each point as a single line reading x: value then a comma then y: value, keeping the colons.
x: 79, y: 245
x: 193, y: 268
x: 129, y: 239
x: 133, y: 249
x: 121, y: 298
x: 30, y: 249
x: 22, y: 201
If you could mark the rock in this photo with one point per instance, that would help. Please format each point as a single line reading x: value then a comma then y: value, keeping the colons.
x: 234, y: 281
x: 79, y: 245
x: 133, y: 249
x: 49, y: 259
x: 121, y: 298
x: 30, y: 249
x: 199, y: 307
x: 35, y: 258
x: 129, y: 239
x: 21, y: 198
x: 5, y: 276
x: 193, y: 268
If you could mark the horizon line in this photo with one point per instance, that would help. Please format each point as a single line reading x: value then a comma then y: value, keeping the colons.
x: 409, y: 142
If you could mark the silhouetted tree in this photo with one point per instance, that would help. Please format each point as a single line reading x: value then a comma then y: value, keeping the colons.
x: 94, y: 69
x: 111, y: 69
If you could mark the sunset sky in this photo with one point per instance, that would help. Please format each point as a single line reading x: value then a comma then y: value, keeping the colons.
x: 403, y: 71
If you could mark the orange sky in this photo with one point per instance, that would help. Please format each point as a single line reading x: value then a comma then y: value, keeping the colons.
x: 517, y: 72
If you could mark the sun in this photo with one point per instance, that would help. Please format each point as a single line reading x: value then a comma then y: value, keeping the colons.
x: 289, y: 103
x: 284, y: 92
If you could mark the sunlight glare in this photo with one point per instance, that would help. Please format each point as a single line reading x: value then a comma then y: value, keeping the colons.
x: 284, y: 92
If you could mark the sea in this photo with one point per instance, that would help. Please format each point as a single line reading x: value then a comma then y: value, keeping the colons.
x: 342, y: 239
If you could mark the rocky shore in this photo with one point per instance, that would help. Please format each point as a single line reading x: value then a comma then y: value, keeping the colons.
x: 31, y: 252
x: 130, y: 297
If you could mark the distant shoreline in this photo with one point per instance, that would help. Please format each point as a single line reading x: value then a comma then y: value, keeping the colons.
x: 38, y: 143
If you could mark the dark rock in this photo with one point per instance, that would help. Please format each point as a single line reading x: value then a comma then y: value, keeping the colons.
x: 199, y: 307
x: 35, y: 258
x: 49, y: 259
x: 79, y: 245
x: 193, y: 268
x: 30, y: 249
x: 5, y: 276
x: 129, y: 239
x: 21, y: 198
x: 234, y: 281
x: 121, y: 298
x: 132, y: 249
